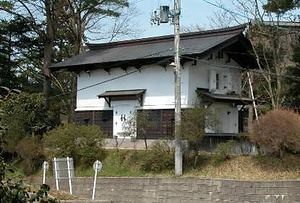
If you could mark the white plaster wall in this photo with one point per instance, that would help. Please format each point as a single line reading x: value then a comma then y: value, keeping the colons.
x: 199, y: 76
x: 159, y: 85
x: 227, y: 117
x: 158, y: 82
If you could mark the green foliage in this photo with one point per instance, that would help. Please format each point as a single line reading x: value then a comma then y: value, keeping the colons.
x: 279, y: 130
x: 20, y: 51
x: 31, y: 152
x: 123, y: 163
x: 280, y: 6
x: 159, y: 158
x: 81, y: 142
x: 14, y: 190
x: 193, y: 124
x: 23, y: 115
x: 223, y: 151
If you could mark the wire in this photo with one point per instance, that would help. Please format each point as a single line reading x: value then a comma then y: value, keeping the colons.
x: 111, y: 79
x: 244, y: 69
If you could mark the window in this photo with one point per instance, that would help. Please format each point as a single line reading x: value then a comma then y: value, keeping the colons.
x: 103, y: 119
x: 163, y: 123
x: 217, y: 81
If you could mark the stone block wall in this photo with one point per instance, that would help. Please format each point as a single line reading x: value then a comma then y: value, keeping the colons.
x: 183, y: 190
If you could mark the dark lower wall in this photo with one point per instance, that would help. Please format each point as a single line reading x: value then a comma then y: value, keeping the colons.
x: 183, y: 190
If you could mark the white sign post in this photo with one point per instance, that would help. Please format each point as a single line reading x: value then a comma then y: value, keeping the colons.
x: 45, y: 168
x: 97, y: 167
x: 63, y: 170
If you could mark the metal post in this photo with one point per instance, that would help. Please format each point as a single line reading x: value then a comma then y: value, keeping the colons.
x: 177, y: 73
x: 56, y: 173
x: 69, y: 175
x: 97, y: 167
x: 45, y: 168
x: 95, y: 183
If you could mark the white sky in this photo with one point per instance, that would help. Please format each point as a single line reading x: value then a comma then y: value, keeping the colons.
x: 193, y: 12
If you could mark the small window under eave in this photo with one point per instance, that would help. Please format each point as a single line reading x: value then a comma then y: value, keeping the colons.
x: 117, y: 95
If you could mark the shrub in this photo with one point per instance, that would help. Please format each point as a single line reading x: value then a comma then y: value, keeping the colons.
x: 160, y: 157
x: 193, y: 124
x: 279, y: 130
x: 31, y: 152
x: 223, y: 151
x: 81, y: 142
x: 14, y: 190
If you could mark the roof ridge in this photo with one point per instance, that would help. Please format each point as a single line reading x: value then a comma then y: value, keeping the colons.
x: 159, y: 39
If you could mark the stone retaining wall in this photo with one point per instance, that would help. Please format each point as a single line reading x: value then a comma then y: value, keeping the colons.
x: 182, y: 190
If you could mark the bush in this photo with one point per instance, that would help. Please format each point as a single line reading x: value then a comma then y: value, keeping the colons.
x: 160, y: 157
x: 81, y: 142
x: 279, y: 130
x: 193, y: 124
x: 31, y: 151
x: 14, y: 190
x: 223, y: 151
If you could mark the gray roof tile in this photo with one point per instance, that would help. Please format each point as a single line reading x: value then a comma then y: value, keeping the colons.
x: 149, y: 50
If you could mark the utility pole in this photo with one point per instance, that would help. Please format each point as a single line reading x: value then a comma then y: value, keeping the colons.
x: 177, y: 72
x: 163, y: 17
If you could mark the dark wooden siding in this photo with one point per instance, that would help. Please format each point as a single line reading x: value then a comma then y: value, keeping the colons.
x: 103, y: 119
x: 163, y: 126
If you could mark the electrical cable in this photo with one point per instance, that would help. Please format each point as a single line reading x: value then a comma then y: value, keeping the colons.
x: 111, y: 79
x: 295, y: 78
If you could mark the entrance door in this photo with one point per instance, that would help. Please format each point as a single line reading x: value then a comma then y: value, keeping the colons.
x: 122, y: 114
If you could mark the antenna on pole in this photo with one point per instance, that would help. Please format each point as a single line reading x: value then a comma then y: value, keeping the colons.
x: 163, y: 16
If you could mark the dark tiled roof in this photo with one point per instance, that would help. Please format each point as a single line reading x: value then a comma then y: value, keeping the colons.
x: 150, y: 50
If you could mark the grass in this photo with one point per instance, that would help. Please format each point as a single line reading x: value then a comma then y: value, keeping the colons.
x: 125, y: 163
x: 260, y: 167
x: 128, y: 163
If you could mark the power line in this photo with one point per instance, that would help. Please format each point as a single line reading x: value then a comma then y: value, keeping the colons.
x: 112, y: 79
x: 295, y: 78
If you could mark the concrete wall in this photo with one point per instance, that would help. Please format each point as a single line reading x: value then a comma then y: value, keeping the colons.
x: 183, y: 190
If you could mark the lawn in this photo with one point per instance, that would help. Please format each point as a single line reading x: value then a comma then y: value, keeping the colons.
x: 124, y: 163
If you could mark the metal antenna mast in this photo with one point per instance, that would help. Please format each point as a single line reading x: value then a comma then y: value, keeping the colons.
x: 163, y: 17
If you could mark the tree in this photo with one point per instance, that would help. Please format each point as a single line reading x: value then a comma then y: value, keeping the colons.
x: 75, y: 19
x: 280, y: 7
x: 37, y: 14
x: 271, y: 44
x: 19, y: 56
x: 23, y: 115
x: 194, y: 121
x: 137, y: 126
x: 293, y: 90
x: 60, y: 24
